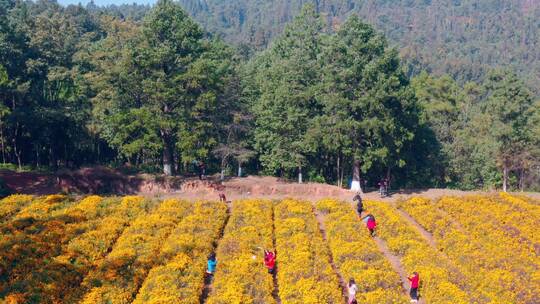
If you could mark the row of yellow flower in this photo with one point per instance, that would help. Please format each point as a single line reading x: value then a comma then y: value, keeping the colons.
x: 519, y: 227
x: 26, y: 239
x: 520, y: 203
x: 36, y: 235
x: 118, y: 277
x: 304, y: 274
x: 531, y: 208
x: 453, y: 241
x: 44, y: 207
x: 485, y: 264
x: 181, y: 279
x: 521, y: 271
x: 85, y: 251
x: 10, y: 205
x: 356, y: 255
x: 241, y: 276
x: 439, y: 284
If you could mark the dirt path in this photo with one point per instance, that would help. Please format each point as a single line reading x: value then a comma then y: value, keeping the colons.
x: 275, y: 292
x: 396, y: 264
x: 209, y: 279
x: 265, y: 187
x: 321, y: 220
x: 423, y: 232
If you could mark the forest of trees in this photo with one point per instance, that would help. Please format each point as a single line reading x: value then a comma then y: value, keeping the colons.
x: 320, y: 100
x: 464, y: 39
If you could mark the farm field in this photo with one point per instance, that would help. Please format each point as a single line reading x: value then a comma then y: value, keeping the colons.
x: 467, y: 249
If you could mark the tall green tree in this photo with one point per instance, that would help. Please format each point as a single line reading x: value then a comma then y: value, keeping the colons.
x: 169, y: 82
x: 287, y: 78
x: 367, y: 97
x: 510, y: 106
x: 441, y: 99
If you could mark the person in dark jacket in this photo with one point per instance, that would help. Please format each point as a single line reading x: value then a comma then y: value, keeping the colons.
x: 202, y: 170
x: 359, y: 205
x: 222, y: 197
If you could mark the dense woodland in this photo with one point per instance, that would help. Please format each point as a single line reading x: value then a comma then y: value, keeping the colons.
x: 462, y: 38
x: 325, y: 98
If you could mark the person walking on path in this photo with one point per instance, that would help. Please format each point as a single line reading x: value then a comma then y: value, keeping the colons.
x: 270, y: 260
x: 352, y: 290
x: 415, y: 282
x: 202, y: 170
x: 222, y: 197
x: 383, y: 187
x: 212, y: 263
x: 359, y: 205
x: 371, y: 225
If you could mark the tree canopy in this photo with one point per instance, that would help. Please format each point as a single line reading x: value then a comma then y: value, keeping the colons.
x: 326, y: 99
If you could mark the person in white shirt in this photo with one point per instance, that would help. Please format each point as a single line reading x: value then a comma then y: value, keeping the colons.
x: 352, y: 291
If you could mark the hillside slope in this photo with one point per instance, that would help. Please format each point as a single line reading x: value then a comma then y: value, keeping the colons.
x: 458, y: 37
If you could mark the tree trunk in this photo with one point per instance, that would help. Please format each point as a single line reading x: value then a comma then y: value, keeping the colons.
x: 167, y: 160
x: 388, y: 178
x: 222, y: 174
x: 3, y: 144
x: 338, y: 180
x: 341, y: 174
x: 37, y: 156
x: 18, y: 154
x: 15, y: 147
x: 355, y: 185
x: 505, y: 177
x: 239, y: 170
x: 168, y: 154
x: 521, y: 179
x: 299, y: 175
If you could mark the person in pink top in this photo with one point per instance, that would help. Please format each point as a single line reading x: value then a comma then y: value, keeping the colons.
x: 270, y: 260
x: 415, y: 282
x: 371, y: 225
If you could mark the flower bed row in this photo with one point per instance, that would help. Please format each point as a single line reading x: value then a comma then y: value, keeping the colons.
x: 117, y: 278
x: 515, y: 228
x: 240, y: 276
x: 10, y: 205
x: 37, y: 234
x: 532, y: 210
x: 181, y: 278
x: 439, y: 284
x: 83, y: 253
x: 43, y: 208
x: 304, y: 274
x: 503, y: 259
x: 494, y: 271
x: 356, y: 255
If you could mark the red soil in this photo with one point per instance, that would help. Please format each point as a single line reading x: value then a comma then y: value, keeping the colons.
x: 102, y: 180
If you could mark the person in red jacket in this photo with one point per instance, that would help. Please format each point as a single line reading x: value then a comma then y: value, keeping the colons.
x: 371, y: 225
x: 415, y: 281
x: 270, y: 260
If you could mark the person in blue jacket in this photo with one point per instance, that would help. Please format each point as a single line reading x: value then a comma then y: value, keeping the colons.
x: 212, y: 263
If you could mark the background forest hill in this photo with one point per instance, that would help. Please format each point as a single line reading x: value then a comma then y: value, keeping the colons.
x: 429, y: 93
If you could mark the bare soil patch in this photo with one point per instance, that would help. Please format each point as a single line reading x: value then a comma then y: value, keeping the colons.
x: 102, y: 180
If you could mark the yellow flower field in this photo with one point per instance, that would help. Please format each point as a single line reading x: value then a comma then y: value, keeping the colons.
x: 499, y: 267
x: 112, y: 250
x: 304, y: 272
x: 356, y: 255
x: 241, y: 276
